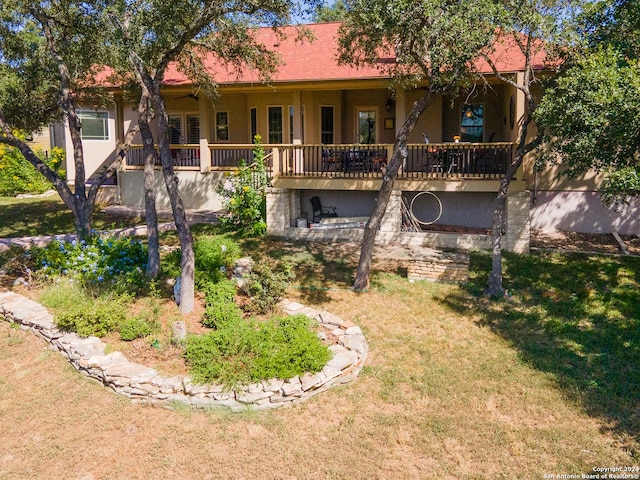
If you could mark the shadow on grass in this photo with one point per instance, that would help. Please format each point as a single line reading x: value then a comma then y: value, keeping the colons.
x: 50, y: 216
x: 316, y: 273
x: 576, y: 317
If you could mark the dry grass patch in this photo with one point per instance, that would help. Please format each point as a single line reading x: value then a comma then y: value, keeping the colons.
x: 447, y: 392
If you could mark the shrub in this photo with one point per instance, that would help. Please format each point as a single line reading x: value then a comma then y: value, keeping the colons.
x: 214, y: 255
x: 170, y: 265
x: 220, y: 306
x: 266, y: 285
x: 221, y: 291
x: 249, y: 351
x: 219, y: 314
x: 137, y: 327
x: 288, y: 347
x: 77, y: 311
x: 244, y: 195
x: 17, y: 175
x: 97, y: 261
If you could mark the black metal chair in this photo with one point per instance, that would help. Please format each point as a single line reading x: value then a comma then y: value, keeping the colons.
x: 321, y: 211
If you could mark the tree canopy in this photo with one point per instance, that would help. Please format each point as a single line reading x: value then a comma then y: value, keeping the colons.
x: 591, y: 112
x: 47, y: 53
x: 333, y: 12
x: 427, y: 44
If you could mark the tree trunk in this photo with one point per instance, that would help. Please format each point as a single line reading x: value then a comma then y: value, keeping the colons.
x: 397, y: 159
x: 494, y: 282
x: 495, y: 287
x: 151, y: 214
x: 187, y: 284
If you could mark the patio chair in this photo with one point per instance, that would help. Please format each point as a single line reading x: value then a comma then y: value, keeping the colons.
x: 321, y: 211
x: 330, y: 162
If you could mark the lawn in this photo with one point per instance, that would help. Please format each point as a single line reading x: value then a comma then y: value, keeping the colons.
x: 27, y: 217
x: 456, y: 385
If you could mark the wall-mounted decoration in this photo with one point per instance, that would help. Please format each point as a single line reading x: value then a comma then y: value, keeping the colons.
x: 389, y: 123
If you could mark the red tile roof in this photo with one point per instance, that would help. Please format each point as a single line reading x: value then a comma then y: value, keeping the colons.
x: 312, y: 61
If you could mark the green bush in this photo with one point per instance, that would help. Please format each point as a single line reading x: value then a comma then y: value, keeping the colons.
x: 266, y: 285
x: 244, y: 195
x: 137, y: 327
x: 223, y: 291
x: 77, y: 311
x: 219, y: 314
x: 220, y: 305
x: 170, y: 264
x: 116, y: 261
x: 242, y: 351
x: 214, y: 255
x: 288, y: 347
x: 19, y: 176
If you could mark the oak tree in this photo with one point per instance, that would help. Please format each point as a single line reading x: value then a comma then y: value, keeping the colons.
x: 430, y: 44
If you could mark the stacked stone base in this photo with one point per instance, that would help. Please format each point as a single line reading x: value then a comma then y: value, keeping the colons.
x: 145, y: 385
x: 434, y: 265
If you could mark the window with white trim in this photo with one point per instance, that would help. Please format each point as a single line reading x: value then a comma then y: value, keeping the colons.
x: 94, y: 125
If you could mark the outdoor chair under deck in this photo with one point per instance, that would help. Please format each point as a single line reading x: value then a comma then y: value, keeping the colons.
x: 321, y: 211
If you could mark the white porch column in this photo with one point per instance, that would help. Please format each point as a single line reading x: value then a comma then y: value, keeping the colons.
x: 297, y: 132
x: 205, y: 153
x: 401, y: 116
x: 518, y: 229
x: 401, y: 109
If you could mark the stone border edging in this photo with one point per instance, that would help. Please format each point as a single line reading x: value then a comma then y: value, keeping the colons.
x: 146, y: 386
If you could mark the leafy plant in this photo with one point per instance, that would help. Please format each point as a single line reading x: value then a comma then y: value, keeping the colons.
x: 266, y: 285
x: 243, y: 351
x: 147, y: 321
x: 19, y: 176
x: 244, y: 195
x: 97, y: 261
x: 220, y: 306
x: 137, y: 327
x: 75, y: 310
x: 214, y: 255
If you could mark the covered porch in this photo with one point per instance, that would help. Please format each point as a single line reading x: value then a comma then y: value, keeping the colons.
x: 433, y: 160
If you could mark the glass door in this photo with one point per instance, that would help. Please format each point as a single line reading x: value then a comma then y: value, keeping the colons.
x: 366, y: 126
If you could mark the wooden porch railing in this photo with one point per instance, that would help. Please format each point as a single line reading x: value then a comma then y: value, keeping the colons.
x: 483, y: 160
x: 184, y: 156
x: 433, y: 160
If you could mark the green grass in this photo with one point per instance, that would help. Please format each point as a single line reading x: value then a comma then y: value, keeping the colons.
x: 544, y: 381
x: 576, y: 317
x: 22, y: 217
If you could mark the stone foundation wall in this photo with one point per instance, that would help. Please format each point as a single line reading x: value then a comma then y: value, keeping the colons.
x: 145, y: 385
x: 462, y: 241
x: 439, y: 266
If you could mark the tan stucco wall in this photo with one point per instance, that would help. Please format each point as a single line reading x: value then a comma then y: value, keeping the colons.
x: 496, y: 99
x: 365, y: 99
x: 430, y: 122
x: 95, y: 151
x: 196, y: 189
